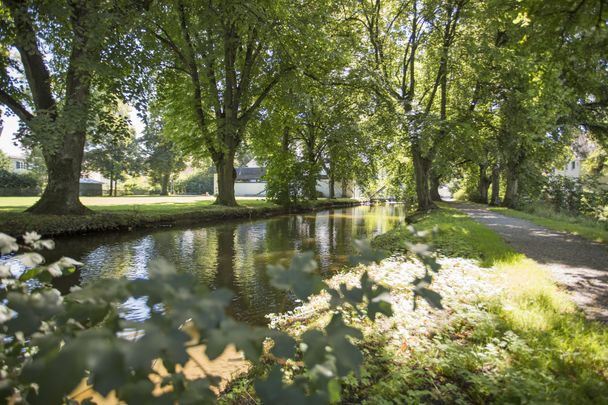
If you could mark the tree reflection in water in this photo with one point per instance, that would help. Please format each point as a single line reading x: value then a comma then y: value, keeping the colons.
x: 232, y: 254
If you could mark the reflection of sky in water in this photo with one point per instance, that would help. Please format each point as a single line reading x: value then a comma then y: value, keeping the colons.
x: 231, y: 254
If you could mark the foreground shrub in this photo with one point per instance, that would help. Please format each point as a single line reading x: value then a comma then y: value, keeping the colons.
x: 49, y: 343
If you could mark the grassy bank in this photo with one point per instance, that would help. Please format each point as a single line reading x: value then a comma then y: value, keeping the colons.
x: 507, y: 334
x: 123, y: 214
x: 457, y: 236
x: 584, y: 227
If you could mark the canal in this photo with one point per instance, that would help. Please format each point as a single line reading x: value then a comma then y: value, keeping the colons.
x: 232, y: 254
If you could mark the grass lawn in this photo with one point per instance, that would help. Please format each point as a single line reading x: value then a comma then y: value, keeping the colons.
x: 525, y: 342
x: 584, y: 227
x: 133, y: 203
x: 116, y: 213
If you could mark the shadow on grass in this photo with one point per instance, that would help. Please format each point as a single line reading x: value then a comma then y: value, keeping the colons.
x: 528, y: 344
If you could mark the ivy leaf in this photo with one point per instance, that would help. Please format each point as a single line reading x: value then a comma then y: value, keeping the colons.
x: 301, y: 277
x: 367, y: 254
x: 334, y: 390
x: 140, y: 393
x: 107, y: 366
x: 284, y: 345
x: 272, y: 390
x: 378, y: 298
x: 430, y: 296
x: 348, y: 356
x: 33, y: 309
x: 159, y: 341
x: 197, y: 392
x: 314, y: 347
x: 208, y: 313
x: 244, y: 337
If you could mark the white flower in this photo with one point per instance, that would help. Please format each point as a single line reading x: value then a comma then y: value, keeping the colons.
x: 5, y: 272
x: 46, y: 243
x: 6, y: 314
x: 30, y: 259
x: 54, y: 269
x: 31, y: 237
x: 8, y: 244
x: 66, y: 262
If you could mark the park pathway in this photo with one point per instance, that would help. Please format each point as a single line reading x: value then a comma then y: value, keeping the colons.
x: 577, y: 263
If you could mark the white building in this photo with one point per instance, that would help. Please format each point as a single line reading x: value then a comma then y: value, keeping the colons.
x: 581, y: 148
x: 18, y: 164
x: 250, y: 183
x: 571, y: 169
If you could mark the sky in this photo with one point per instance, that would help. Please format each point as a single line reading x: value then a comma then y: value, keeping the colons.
x: 11, y: 124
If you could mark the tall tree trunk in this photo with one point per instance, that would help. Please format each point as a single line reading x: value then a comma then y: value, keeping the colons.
x: 332, y: 186
x: 422, y: 169
x: 435, y: 181
x: 164, y: 184
x: 63, y: 159
x: 226, y: 176
x: 512, y: 185
x: 115, y: 187
x: 62, y: 192
x: 344, y: 187
x: 484, y: 184
x: 495, y: 199
x: 285, y: 141
x: 111, y: 184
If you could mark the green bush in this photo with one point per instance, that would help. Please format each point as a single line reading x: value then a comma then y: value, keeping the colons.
x: 49, y: 343
x: 17, y: 184
x: 196, y: 183
x: 17, y: 180
x: 572, y: 197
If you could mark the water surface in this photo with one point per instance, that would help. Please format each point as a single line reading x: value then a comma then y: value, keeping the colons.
x: 232, y: 254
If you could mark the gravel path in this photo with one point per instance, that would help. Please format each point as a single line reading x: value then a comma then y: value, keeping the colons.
x: 577, y: 263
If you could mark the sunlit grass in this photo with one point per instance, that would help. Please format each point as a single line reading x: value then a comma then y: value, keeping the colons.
x: 527, y: 344
x: 133, y: 203
x: 584, y: 227
x: 457, y: 236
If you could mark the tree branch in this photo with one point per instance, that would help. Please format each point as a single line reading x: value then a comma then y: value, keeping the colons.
x: 15, y: 106
x: 256, y: 104
x: 36, y: 72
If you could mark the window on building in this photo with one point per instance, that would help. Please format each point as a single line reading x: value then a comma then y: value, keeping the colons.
x: 18, y: 165
x: 573, y: 165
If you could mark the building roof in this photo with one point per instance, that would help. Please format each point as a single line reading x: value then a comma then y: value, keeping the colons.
x: 250, y: 173
x: 89, y: 181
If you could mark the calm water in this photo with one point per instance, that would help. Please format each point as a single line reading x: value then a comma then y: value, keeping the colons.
x: 232, y: 254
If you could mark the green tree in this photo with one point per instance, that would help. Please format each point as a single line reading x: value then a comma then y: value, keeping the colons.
x: 163, y: 158
x: 113, y: 150
x: 5, y: 162
x: 53, y: 55
x: 226, y: 59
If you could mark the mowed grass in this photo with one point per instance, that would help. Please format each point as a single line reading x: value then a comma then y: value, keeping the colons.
x: 528, y: 344
x: 125, y: 213
x: 144, y: 204
x: 584, y: 227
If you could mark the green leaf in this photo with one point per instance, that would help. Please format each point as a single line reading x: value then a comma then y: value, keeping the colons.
x: 246, y: 338
x: 300, y: 278
x: 284, y: 345
x: 334, y: 389
x: 273, y: 391
x: 367, y: 254
x: 430, y: 296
